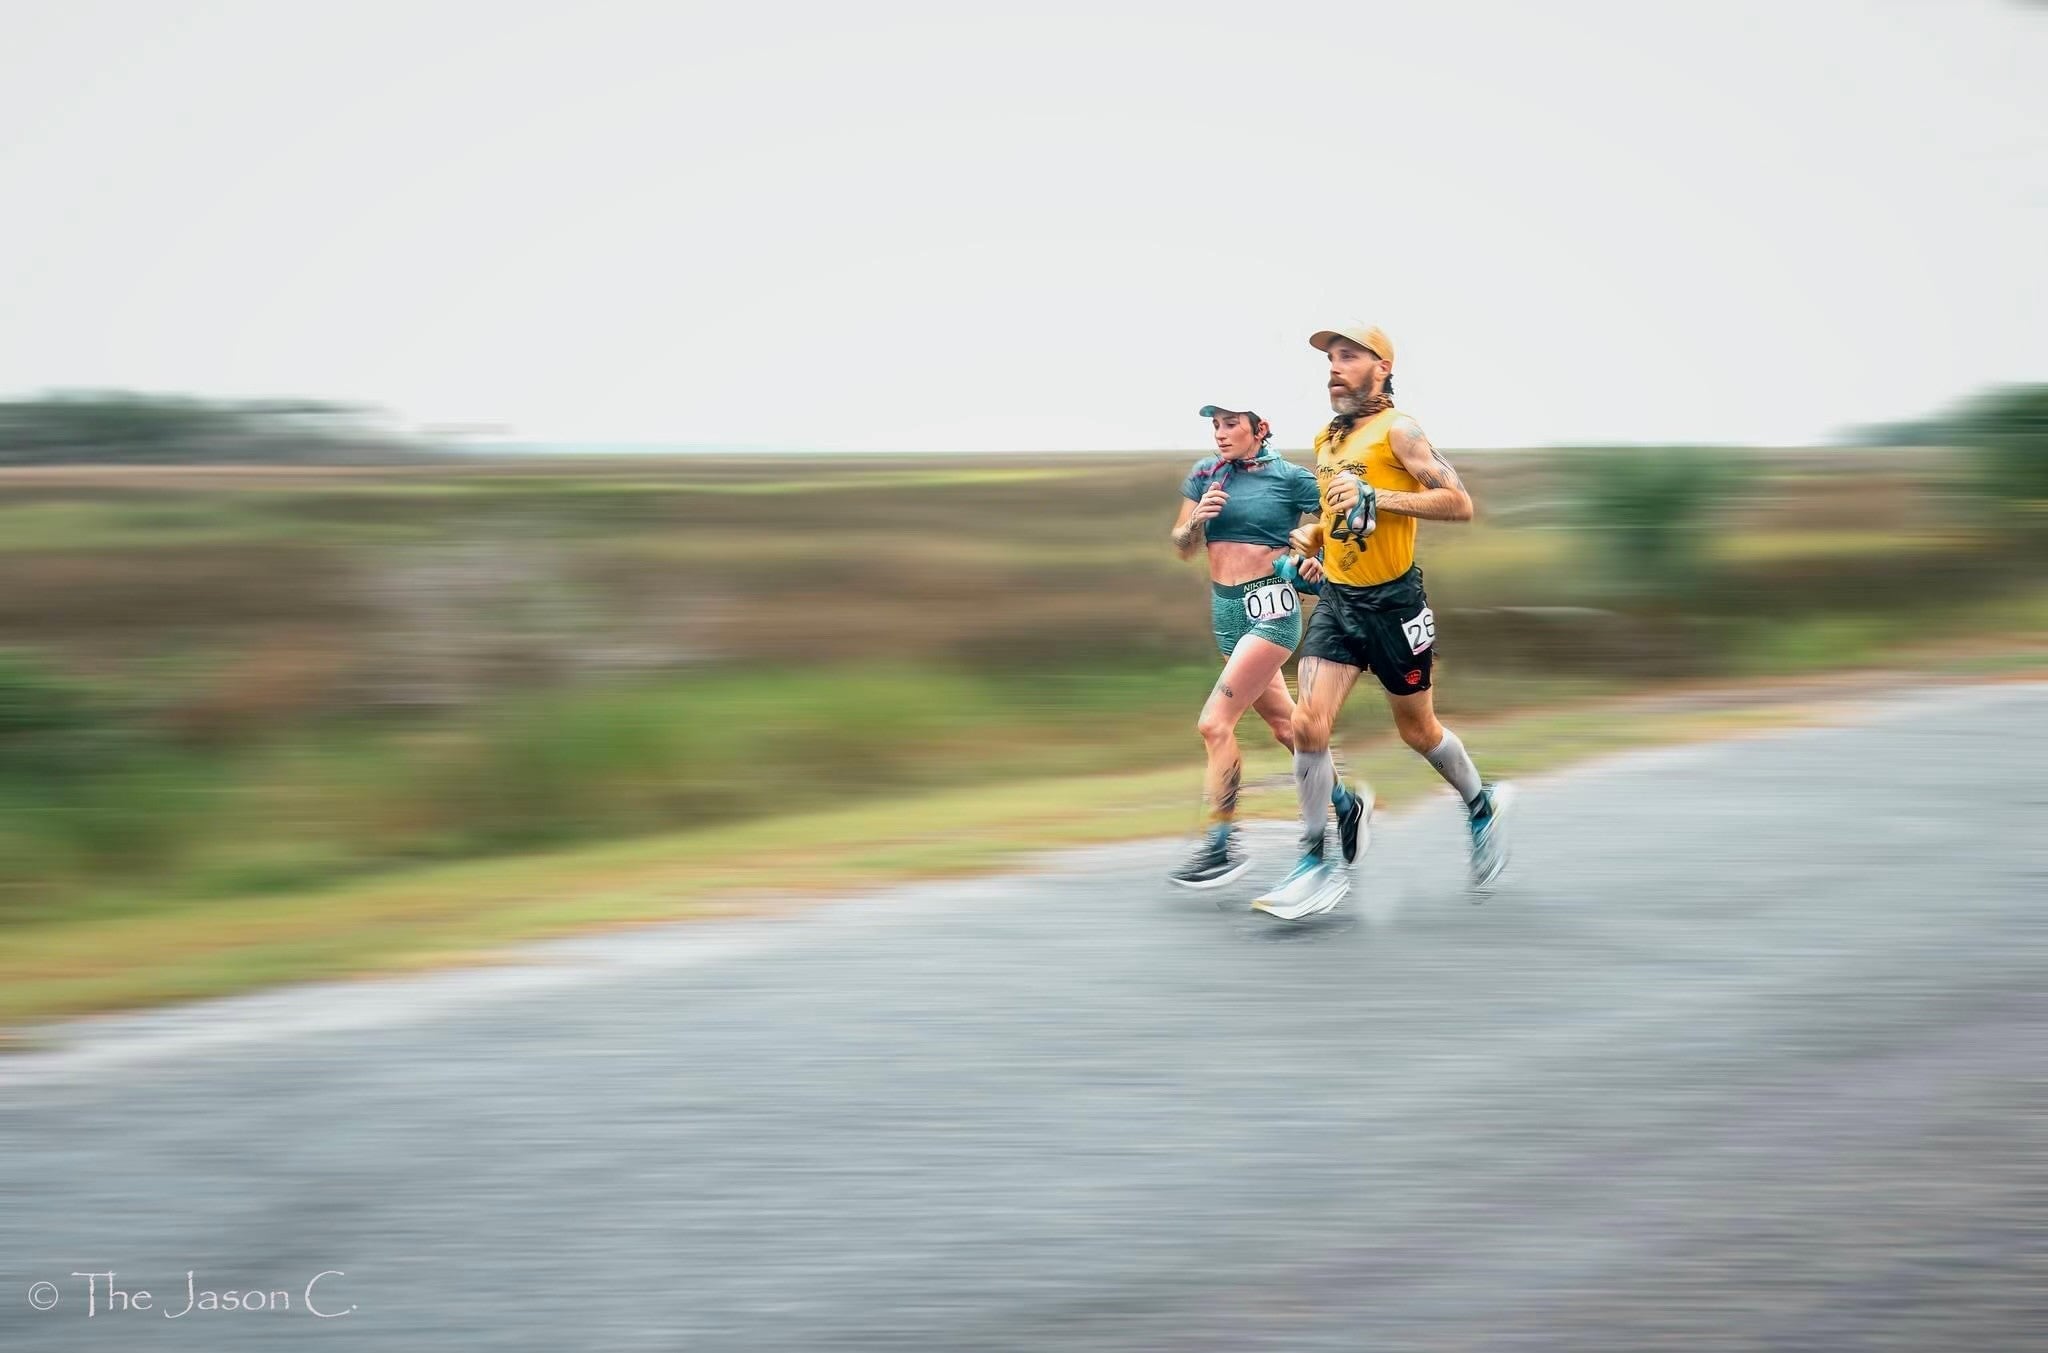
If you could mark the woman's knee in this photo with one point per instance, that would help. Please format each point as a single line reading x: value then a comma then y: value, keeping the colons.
x: 1215, y: 728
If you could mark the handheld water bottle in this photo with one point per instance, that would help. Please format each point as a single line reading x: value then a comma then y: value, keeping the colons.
x: 1364, y: 517
x: 1288, y: 567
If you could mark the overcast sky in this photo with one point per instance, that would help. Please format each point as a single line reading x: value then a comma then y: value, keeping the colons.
x: 877, y: 225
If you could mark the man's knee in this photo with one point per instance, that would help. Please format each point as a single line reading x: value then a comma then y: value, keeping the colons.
x: 1422, y: 734
x: 1311, y: 730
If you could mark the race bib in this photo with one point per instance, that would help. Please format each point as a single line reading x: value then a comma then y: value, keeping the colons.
x: 1274, y: 601
x: 1421, y: 631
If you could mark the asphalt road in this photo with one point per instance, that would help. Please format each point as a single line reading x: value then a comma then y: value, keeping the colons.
x: 1751, y: 1051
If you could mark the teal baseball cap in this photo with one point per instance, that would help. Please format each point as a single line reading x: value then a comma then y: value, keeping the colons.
x: 1211, y: 410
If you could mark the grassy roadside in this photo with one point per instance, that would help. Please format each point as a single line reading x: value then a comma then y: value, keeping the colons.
x: 463, y: 913
x: 221, y: 683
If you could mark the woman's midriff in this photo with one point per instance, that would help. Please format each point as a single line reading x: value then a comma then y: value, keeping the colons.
x: 1233, y: 561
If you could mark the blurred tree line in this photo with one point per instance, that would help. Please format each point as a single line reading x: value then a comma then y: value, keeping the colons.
x: 2007, y: 426
x: 1649, y: 511
x: 2008, y: 429
x: 118, y: 427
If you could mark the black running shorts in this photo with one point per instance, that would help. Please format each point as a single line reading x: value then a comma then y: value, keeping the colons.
x: 1386, y: 629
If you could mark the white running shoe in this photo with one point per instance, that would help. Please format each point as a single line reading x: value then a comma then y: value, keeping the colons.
x: 1490, y: 837
x: 1314, y: 887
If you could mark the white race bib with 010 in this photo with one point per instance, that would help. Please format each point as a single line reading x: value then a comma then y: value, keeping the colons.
x: 1274, y: 601
x: 1421, y: 631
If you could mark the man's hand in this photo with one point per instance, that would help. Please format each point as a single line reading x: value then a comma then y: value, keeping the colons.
x: 1210, y: 503
x: 1356, y: 505
x: 1307, y: 540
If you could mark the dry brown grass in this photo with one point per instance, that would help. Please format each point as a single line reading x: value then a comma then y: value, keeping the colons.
x: 296, y: 590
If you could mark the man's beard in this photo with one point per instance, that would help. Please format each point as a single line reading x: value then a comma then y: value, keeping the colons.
x: 1351, y: 402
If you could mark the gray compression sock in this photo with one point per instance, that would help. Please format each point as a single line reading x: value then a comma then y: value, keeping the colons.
x: 1315, y: 774
x: 1455, y: 765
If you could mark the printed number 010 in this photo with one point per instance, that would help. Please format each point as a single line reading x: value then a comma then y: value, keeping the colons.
x: 1269, y: 603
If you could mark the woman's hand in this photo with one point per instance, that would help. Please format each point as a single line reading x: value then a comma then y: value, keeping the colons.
x: 1211, y: 503
x: 1307, y: 540
x: 1310, y: 567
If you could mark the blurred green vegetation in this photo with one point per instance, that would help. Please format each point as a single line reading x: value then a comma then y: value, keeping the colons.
x: 2008, y: 429
x: 126, y: 427
x: 1646, y: 513
x: 218, y: 682
x: 468, y: 911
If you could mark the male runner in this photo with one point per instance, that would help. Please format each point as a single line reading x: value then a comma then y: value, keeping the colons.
x: 1379, y: 476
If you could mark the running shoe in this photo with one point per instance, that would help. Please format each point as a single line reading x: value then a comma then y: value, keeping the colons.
x: 1215, y: 861
x: 1354, y: 830
x: 1315, y: 885
x: 1490, y: 835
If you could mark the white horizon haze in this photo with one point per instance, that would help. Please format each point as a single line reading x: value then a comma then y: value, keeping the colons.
x: 920, y: 227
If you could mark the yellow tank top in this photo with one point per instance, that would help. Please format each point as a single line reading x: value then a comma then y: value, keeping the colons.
x: 1389, y: 551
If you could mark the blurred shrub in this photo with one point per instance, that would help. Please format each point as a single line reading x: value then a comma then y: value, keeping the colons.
x: 85, y: 792
x: 2008, y: 430
x: 40, y: 713
x: 1645, y: 512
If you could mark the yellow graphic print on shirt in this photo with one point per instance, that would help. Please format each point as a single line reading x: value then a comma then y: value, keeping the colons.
x: 1368, y: 453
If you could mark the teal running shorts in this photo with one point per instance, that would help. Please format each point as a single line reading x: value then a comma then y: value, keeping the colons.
x: 1266, y: 607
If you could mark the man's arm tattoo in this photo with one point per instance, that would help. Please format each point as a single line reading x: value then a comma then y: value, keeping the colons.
x: 1438, y: 474
x: 1434, y: 473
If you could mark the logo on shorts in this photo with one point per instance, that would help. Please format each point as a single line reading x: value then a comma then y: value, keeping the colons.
x: 1415, y: 677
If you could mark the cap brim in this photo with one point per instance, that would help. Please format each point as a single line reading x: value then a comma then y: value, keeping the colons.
x: 1322, y: 340
x: 1211, y: 410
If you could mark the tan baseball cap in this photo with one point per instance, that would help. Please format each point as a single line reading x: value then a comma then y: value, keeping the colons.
x: 1364, y: 335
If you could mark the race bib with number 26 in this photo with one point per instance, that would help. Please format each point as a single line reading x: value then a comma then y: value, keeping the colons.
x: 1421, y: 631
